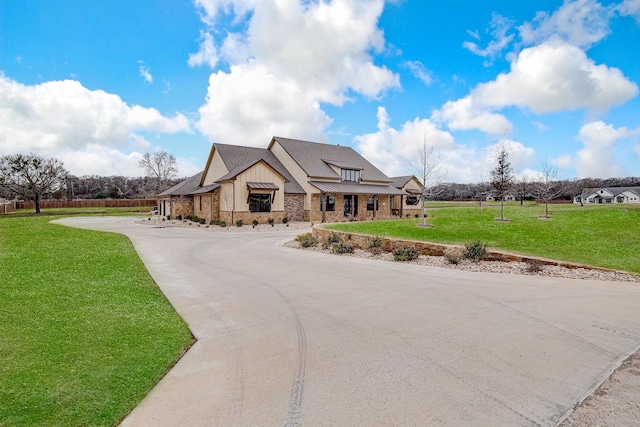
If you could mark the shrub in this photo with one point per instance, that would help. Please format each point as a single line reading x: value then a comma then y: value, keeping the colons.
x: 534, y: 266
x: 333, y: 238
x: 254, y: 222
x: 374, y: 244
x: 475, y: 251
x: 405, y: 253
x: 343, y: 248
x: 179, y: 217
x: 168, y: 217
x: 454, y: 255
x: 271, y: 221
x: 306, y: 240
x: 285, y: 220
x: 238, y: 223
x: 203, y: 220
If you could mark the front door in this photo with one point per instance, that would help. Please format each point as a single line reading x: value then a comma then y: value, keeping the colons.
x: 350, y: 202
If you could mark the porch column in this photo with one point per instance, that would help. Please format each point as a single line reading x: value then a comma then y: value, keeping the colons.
x: 402, y: 206
x: 375, y: 205
x: 323, y: 204
x: 352, y: 207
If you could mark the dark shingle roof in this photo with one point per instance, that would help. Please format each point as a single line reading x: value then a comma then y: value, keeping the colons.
x: 613, y: 190
x: 238, y: 158
x: 313, y: 158
x: 400, y: 181
x: 188, y: 186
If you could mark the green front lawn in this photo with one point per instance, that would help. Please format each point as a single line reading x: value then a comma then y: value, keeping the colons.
x: 85, y: 333
x: 605, y: 236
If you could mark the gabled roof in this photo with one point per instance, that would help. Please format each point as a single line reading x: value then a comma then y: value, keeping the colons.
x: 314, y: 158
x: 615, y: 191
x: 238, y: 159
x: 401, y: 181
x: 188, y: 186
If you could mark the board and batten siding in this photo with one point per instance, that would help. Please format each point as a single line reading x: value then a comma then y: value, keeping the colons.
x: 260, y: 172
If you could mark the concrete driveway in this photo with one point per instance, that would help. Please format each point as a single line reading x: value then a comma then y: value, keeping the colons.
x: 288, y: 337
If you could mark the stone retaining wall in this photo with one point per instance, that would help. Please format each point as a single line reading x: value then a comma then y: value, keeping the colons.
x: 436, y: 249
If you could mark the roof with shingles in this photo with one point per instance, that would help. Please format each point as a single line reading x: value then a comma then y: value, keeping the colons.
x: 613, y: 190
x: 188, y: 186
x: 355, y: 188
x: 237, y: 159
x: 314, y: 159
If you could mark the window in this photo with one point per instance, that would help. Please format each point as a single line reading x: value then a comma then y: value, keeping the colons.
x: 200, y: 202
x: 592, y: 200
x: 370, y: 203
x: 331, y: 203
x: 350, y: 175
x: 260, y: 203
x: 608, y: 200
x: 412, y: 200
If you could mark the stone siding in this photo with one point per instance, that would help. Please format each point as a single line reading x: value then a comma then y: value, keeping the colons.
x: 248, y: 217
x: 294, y: 206
x: 210, y: 206
x: 383, y: 212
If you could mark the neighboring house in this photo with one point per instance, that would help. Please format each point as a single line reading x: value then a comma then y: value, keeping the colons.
x: 609, y: 195
x: 404, y: 206
x: 298, y: 179
x: 509, y: 196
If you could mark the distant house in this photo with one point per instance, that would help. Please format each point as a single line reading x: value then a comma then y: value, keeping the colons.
x: 291, y: 178
x: 608, y: 195
x: 509, y: 196
x: 409, y: 205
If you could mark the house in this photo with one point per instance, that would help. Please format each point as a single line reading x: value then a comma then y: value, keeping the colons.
x: 300, y: 180
x: 509, y: 196
x: 609, y: 195
x: 408, y: 206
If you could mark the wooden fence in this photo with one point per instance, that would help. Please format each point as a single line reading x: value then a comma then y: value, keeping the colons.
x: 7, y: 207
x: 98, y: 203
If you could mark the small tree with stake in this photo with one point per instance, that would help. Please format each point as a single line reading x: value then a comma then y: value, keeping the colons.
x: 427, y: 167
x: 547, y: 187
x: 31, y: 176
x: 502, y: 174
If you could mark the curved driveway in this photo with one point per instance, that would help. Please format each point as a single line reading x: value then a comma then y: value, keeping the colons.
x: 289, y: 337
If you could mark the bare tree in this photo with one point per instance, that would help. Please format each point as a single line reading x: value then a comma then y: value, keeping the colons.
x: 160, y: 165
x: 523, y: 186
x: 481, y: 190
x: 502, y: 174
x: 548, y: 187
x: 31, y: 176
x: 428, y: 168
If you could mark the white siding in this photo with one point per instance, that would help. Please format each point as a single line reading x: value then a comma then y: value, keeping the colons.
x: 216, y: 169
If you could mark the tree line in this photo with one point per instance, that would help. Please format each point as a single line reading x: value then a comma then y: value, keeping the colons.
x: 33, y: 177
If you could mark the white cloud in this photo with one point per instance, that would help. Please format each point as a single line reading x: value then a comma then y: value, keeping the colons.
x: 466, y: 114
x: 249, y: 105
x: 630, y: 8
x: 395, y: 150
x: 419, y: 71
x: 596, y: 159
x: 291, y: 56
x: 556, y: 76
x: 144, y: 72
x: 499, y: 26
x: 207, y: 54
x: 578, y: 22
x: 63, y: 118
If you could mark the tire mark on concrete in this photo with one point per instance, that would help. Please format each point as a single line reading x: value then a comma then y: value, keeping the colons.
x: 237, y: 410
x: 294, y: 412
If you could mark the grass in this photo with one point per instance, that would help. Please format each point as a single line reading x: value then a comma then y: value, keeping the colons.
x: 85, y: 333
x: 605, y: 236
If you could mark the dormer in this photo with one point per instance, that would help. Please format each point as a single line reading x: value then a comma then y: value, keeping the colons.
x: 348, y: 172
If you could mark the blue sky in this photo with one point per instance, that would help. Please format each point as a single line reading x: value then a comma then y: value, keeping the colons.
x: 97, y: 84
